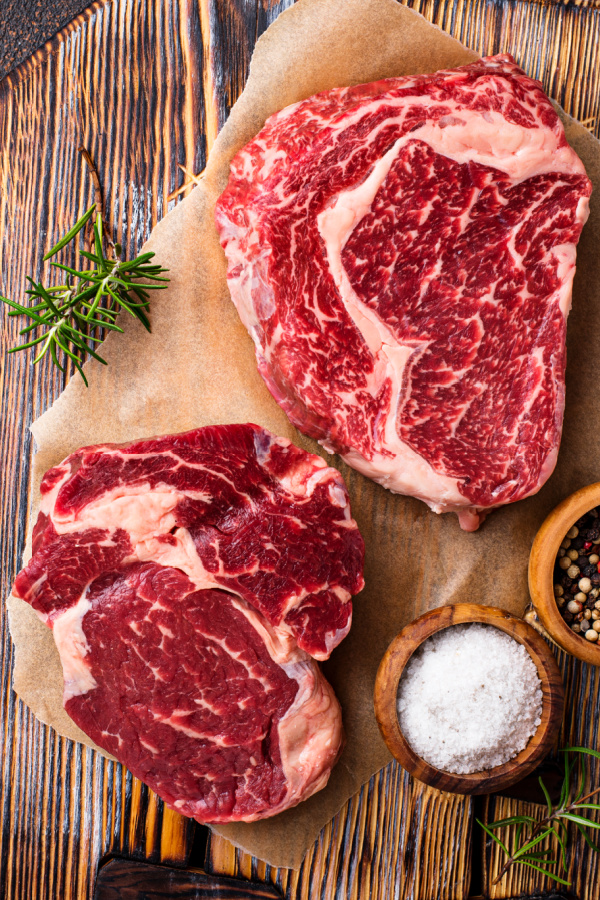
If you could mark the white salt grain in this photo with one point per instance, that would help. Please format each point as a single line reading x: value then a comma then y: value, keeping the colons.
x: 469, y: 699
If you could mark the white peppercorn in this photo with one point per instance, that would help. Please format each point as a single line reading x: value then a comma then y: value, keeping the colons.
x: 573, y: 606
x: 595, y: 614
x: 587, y: 614
x: 594, y: 558
x: 580, y: 597
x: 585, y: 585
x: 596, y: 625
x: 573, y: 571
x: 591, y: 635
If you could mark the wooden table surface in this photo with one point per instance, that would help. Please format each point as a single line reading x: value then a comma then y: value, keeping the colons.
x: 145, y: 85
x: 27, y: 24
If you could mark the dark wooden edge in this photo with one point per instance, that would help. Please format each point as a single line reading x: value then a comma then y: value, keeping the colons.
x: 386, y: 690
x: 544, y: 549
x: 124, y: 879
x: 23, y: 70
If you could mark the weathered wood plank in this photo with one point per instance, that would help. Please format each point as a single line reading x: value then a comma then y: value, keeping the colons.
x: 582, y: 683
x: 145, y: 86
x: 395, y: 838
x: 560, y: 46
x: 122, y: 80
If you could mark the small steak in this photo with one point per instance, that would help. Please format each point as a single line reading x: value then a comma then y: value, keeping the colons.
x: 191, y: 581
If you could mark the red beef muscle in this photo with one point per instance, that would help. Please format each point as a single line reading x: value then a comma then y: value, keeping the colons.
x: 402, y: 254
x: 191, y: 581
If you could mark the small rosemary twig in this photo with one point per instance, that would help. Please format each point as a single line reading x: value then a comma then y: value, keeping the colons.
x: 99, y: 203
x: 530, y: 833
x: 66, y: 318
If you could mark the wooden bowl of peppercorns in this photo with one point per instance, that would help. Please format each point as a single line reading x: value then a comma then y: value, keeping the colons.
x: 564, y: 574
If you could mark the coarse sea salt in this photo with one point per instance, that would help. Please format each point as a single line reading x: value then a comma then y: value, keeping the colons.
x: 469, y: 699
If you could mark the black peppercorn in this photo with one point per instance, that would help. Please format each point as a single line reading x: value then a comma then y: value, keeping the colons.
x: 585, y: 543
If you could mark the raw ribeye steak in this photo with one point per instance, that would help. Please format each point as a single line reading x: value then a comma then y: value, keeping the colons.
x: 402, y: 254
x: 190, y: 582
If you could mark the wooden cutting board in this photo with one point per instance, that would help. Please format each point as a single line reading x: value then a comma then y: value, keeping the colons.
x: 145, y: 85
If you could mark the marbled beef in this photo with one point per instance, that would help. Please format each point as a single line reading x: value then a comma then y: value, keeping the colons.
x: 190, y: 582
x: 402, y: 254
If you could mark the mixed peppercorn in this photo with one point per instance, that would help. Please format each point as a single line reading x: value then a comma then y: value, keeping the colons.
x: 577, y: 577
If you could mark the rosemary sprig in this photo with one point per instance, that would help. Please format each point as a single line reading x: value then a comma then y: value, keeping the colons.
x: 529, y: 832
x: 67, y: 318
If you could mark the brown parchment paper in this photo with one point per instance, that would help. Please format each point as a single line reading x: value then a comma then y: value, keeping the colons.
x: 197, y: 368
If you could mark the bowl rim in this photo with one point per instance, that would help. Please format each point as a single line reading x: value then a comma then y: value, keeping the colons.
x: 542, y: 557
x: 394, y: 663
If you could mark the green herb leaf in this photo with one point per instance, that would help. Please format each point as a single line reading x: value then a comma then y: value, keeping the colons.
x: 563, y: 848
x: 580, y: 819
x: 546, y: 795
x: 587, y: 838
x: 518, y: 833
x: 552, y: 875
x: 537, y: 840
x: 587, y: 750
x: 493, y: 836
x: 74, y: 231
x: 512, y: 820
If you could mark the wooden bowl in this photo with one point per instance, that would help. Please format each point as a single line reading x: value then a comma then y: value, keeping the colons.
x: 386, y: 691
x: 541, y: 571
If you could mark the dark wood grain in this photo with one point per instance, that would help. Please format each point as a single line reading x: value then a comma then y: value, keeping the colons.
x: 145, y: 85
x: 580, y: 728
x: 125, y: 880
x: 107, y: 83
x: 27, y: 24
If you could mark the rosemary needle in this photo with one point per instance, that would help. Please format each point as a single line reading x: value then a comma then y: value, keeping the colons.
x: 66, y: 317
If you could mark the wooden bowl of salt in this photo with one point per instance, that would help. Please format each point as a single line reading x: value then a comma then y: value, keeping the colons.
x: 389, y: 687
